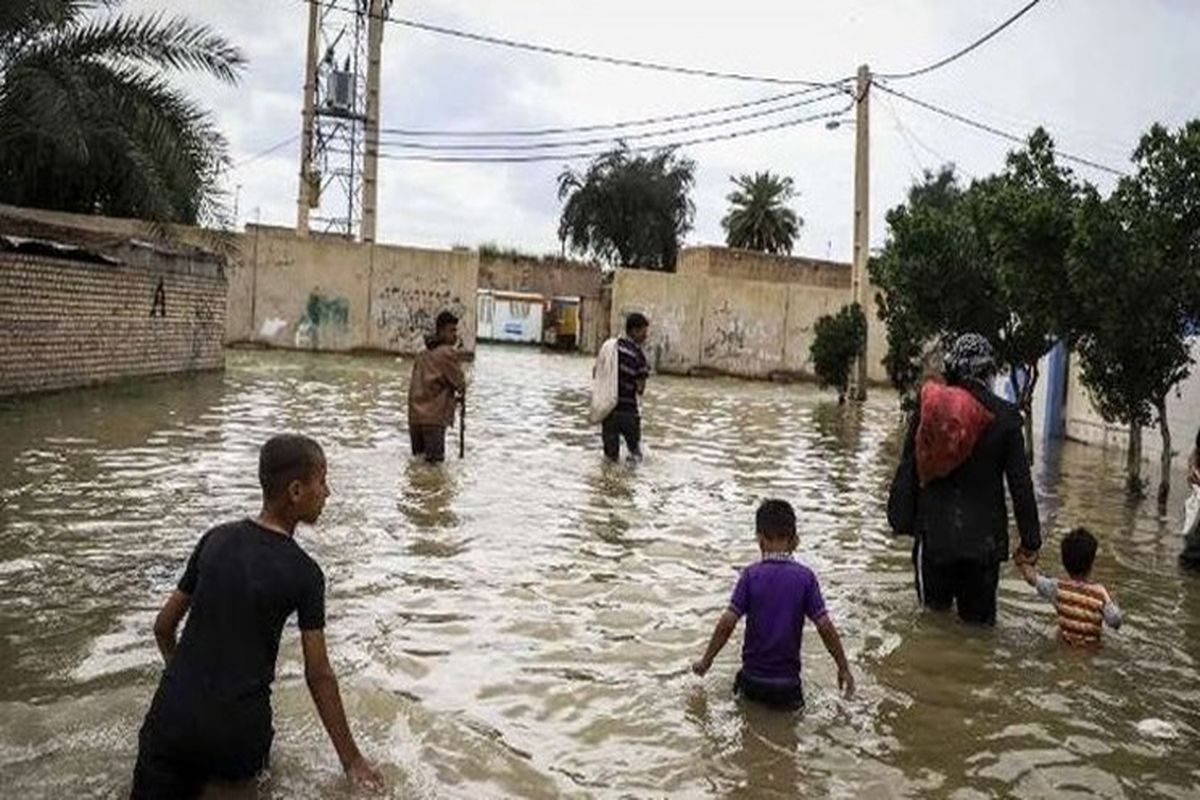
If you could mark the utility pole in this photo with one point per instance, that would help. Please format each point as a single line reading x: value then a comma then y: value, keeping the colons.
x: 304, y: 198
x: 371, y: 157
x: 337, y: 179
x: 859, y: 278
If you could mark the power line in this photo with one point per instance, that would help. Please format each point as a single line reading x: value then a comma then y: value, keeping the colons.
x: 992, y: 130
x: 960, y: 53
x: 717, y: 123
x: 632, y: 123
x: 912, y: 152
x: 526, y: 159
x: 618, y: 61
x: 264, y: 153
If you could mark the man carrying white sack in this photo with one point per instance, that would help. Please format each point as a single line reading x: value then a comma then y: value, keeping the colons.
x: 618, y: 378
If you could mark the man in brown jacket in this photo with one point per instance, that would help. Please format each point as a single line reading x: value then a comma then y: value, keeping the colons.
x: 437, y: 380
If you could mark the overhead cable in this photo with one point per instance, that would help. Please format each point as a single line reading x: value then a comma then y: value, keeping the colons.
x: 541, y: 157
x: 632, y: 123
x: 960, y: 53
x: 264, y: 153
x: 716, y: 123
x: 499, y: 41
x: 982, y: 126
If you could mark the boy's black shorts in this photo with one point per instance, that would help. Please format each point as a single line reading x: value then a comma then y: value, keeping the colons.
x: 179, y: 756
x: 781, y: 694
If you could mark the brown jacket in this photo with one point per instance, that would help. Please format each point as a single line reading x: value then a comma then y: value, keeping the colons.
x: 436, y: 378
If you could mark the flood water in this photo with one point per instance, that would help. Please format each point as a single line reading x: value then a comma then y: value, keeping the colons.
x: 521, y: 623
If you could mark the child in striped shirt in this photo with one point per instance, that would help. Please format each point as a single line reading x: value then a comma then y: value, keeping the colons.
x: 1083, y: 607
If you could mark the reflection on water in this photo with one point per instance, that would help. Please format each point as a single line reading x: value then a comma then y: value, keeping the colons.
x: 521, y: 623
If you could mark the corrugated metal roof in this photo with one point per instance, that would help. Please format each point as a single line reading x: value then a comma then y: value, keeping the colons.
x: 46, y: 247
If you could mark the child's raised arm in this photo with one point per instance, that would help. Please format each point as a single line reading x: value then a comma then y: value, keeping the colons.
x: 1028, y: 572
x: 833, y: 643
x: 725, y: 627
x: 1111, y: 611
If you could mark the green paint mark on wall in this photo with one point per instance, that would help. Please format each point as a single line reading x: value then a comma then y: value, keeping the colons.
x: 327, y: 311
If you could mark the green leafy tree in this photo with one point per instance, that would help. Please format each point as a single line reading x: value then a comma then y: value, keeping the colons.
x: 627, y: 209
x: 759, y: 218
x: 1135, y: 276
x: 934, y: 274
x: 838, y: 339
x: 89, y: 121
x: 991, y: 258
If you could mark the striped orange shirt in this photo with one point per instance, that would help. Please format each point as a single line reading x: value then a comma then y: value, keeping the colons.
x: 1080, y: 609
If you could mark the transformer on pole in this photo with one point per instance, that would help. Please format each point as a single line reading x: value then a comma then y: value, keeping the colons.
x: 342, y: 42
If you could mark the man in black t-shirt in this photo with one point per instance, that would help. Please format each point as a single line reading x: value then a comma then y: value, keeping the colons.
x: 625, y: 421
x: 211, y: 716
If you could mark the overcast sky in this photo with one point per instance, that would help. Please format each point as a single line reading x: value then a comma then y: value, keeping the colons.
x: 1096, y: 73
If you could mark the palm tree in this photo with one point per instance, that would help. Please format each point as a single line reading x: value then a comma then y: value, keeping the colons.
x: 89, y: 122
x: 759, y: 219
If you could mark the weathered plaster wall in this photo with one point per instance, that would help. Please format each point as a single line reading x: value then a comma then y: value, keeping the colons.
x: 326, y: 293
x: 410, y: 287
x: 806, y: 304
x: 309, y: 293
x: 727, y: 262
x: 740, y: 313
x: 675, y: 308
x: 743, y: 329
x: 1084, y: 423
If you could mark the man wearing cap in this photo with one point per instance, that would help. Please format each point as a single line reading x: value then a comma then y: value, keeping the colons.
x: 963, y: 444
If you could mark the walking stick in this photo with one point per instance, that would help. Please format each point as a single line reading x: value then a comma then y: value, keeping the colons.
x: 462, y: 426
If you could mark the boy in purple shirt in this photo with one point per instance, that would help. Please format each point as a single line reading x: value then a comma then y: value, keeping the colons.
x: 775, y: 595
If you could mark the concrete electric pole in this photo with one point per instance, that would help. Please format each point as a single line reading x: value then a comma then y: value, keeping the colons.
x: 304, y: 199
x: 379, y: 9
x: 859, y: 277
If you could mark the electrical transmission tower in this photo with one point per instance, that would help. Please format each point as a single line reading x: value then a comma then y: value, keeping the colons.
x: 339, y: 141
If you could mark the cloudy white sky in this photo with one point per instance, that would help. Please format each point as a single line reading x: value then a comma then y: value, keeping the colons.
x: 1096, y: 73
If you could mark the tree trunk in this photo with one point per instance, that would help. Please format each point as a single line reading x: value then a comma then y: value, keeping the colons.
x: 1133, y: 461
x: 1025, y: 399
x: 1164, y: 480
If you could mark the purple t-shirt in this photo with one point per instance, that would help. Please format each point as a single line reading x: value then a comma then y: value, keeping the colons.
x: 775, y: 595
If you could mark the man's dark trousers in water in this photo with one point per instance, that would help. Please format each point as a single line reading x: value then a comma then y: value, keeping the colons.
x: 618, y: 425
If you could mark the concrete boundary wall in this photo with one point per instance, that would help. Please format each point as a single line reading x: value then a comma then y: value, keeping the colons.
x: 1084, y: 424
x: 325, y: 293
x: 704, y: 323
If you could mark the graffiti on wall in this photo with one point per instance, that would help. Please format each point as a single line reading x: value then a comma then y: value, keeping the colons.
x: 328, y: 315
x: 662, y: 347
x: 724, y: 333
x: 158, y: 306
x: 405, y: 312
x: 203, y: 321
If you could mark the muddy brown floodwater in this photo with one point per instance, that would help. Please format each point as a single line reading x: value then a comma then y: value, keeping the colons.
x: 520, y: 624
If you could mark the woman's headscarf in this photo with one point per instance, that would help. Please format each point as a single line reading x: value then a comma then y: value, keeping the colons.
x: 971, y: 357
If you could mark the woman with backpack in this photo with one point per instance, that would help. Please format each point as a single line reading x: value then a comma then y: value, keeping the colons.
x: 963, y: 444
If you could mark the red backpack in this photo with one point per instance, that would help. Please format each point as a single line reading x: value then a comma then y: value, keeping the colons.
x: 952, y: 421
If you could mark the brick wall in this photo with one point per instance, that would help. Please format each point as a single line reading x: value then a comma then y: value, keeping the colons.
x: 66, y: 323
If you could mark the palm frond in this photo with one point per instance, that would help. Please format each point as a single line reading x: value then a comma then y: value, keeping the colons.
x: 173, y: 43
